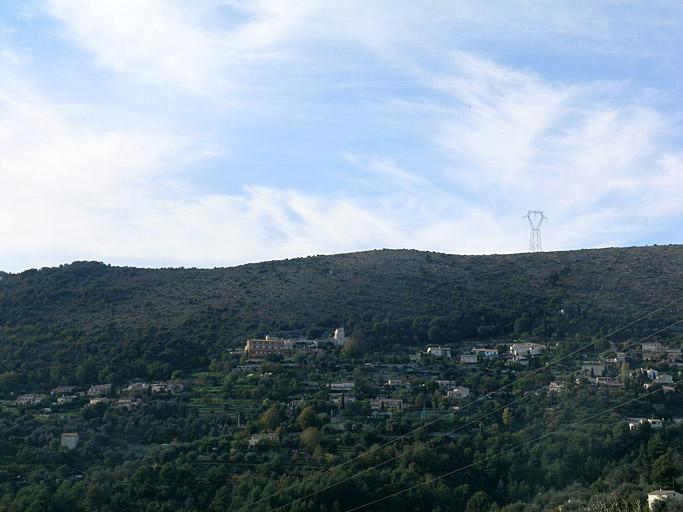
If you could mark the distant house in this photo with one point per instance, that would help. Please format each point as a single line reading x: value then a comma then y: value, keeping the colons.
x: 397, y: 383
x: 444, y: 352
x: 98, y: 400
x: 65, y: 399
x: 486, y: 353
x: 655, y: 424
x: 99, y: 389
x: 652, y: 346
x: 664, y: 378
x: 674, y: 355
x: 166, y: 387
x: 468, y: 358
x: 386, y: 404
x: 652, y: 350
x: 662, y: 495
x: 339, y: 337
x: 607, y: 382
x: 555, y: 387
x: 341, y: 386
x: 128, y: 403
x: 458, y: 393
x: 69, y: 440
x: 527, y: 349
x: 136, y: 387
x: 445, y: 384
x: 256, y: 439
x: 30, y: 399
x: 260, y: 348
x: 521, y: 360
x: 342, y: 400
x: 62, y: 390
x: 594, y: 369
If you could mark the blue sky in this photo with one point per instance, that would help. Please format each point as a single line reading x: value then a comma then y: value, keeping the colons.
x: 218, y: 132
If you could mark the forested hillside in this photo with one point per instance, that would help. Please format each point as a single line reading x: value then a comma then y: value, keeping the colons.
x: 89, y: 318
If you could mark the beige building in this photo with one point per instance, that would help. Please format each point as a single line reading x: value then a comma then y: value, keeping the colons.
x: 258, y: 349
x: 99, y: 389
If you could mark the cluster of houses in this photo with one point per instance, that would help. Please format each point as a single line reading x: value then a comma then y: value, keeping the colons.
x: 128, y: 399
x: 518, y: 353
x: 271, y: 346
x: 659, y: 371
x: 342, y: 393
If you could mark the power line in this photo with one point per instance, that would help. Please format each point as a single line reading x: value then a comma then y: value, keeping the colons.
x: 453, y: 431
x: 484, y: 397
x: 504, y: 452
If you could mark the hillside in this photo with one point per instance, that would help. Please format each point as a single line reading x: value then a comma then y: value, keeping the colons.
x: 121, y: 322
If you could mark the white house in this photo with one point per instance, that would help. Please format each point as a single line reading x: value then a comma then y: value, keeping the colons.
x: 341, y: 386
x: 486, y: 353
x: 468, y: 358
x: 655, y: 424
x: 99, y: 389
x: 397, y: 383
x: 527, y: 349
x: 339, y: 337
x: 255, y: 439
x: 30, y: 399
x: 439, y: 352
x: 662, y: 495
x: 459, y: 393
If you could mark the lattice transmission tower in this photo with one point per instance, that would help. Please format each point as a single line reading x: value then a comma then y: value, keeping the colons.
x: 535, y: 218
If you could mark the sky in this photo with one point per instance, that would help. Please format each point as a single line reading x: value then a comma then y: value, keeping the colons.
x: 212, y: 133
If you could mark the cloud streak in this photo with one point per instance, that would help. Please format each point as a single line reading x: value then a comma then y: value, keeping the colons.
x: 452, y: 144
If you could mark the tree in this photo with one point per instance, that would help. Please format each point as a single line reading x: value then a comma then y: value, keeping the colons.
x: 522, y: 325
x: 612, y: 504
x: 665, y: 469
x: 479, y: 502
x: 507, y: 417
x: 307, y: 418
x: 625, y: 373
x: 9, y: 381
x: 311, y: 438
x: 270, y: 419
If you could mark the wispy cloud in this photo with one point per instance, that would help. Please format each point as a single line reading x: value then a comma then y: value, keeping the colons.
x: 433, y: 126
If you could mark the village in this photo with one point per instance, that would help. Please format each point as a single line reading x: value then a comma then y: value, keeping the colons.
x: 314, y: 400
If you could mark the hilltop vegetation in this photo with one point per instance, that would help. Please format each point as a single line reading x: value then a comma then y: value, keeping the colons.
x: 571, y: 426
x: 92, y: 320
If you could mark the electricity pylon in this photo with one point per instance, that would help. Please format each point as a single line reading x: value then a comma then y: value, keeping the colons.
x: 535, y: 218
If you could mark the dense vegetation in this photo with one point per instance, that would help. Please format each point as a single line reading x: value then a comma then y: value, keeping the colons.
x: 522, y: 450
x: 246, y: 436
x: 88, y: 318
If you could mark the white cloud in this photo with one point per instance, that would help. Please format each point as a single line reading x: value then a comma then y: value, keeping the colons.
x: 102, y: 181
x: 598, y: 165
